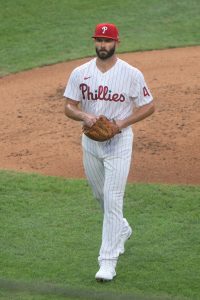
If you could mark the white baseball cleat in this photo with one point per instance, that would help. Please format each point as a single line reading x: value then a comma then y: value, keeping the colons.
x: 106, y: 272
x: 124, y: 237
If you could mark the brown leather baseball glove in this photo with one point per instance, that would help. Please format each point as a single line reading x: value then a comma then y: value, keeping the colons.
x: 102, y: 130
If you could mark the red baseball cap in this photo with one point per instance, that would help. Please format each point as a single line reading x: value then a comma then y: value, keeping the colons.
x: 106, y: 30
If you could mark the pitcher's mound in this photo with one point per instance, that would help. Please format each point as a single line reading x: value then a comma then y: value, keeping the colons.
x: 37, y: 137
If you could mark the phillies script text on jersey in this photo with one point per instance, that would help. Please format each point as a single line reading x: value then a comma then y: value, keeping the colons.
x: 102, y: 93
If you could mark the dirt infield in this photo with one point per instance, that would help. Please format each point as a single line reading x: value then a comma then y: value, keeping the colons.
x: 35, y: 136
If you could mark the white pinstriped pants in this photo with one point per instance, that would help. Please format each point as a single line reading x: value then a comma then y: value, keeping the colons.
x: 107, y: 166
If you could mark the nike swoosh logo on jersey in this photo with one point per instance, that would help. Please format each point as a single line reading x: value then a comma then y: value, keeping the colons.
x: 85, y: 78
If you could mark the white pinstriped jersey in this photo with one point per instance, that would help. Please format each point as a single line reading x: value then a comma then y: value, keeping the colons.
x: 114, y: 93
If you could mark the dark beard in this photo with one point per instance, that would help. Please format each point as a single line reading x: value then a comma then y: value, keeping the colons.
x: 104, y: 54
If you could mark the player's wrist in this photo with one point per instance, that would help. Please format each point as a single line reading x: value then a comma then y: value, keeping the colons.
x: 120, y: 124
x: 83, y: 116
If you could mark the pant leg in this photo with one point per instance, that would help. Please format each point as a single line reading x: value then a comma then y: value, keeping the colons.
x: 116, y: 173
x: 94, y: 170
x: 107, y: 171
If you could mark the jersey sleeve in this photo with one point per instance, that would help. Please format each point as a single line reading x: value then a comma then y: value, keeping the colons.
x: 72, y: 90
x: 140, y: 91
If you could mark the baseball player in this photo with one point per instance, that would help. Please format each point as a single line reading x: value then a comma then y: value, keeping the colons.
x: 107, y: 85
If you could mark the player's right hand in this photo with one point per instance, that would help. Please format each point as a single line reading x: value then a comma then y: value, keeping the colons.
x: 89, y: 120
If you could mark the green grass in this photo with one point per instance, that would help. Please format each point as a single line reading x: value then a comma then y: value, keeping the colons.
x: 39, y: 32
x: 50, y: 232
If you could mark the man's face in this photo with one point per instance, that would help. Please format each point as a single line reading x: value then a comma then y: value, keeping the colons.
x: 105, y: 48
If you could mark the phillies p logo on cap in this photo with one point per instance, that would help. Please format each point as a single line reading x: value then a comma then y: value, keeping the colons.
x: 106, y: 30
